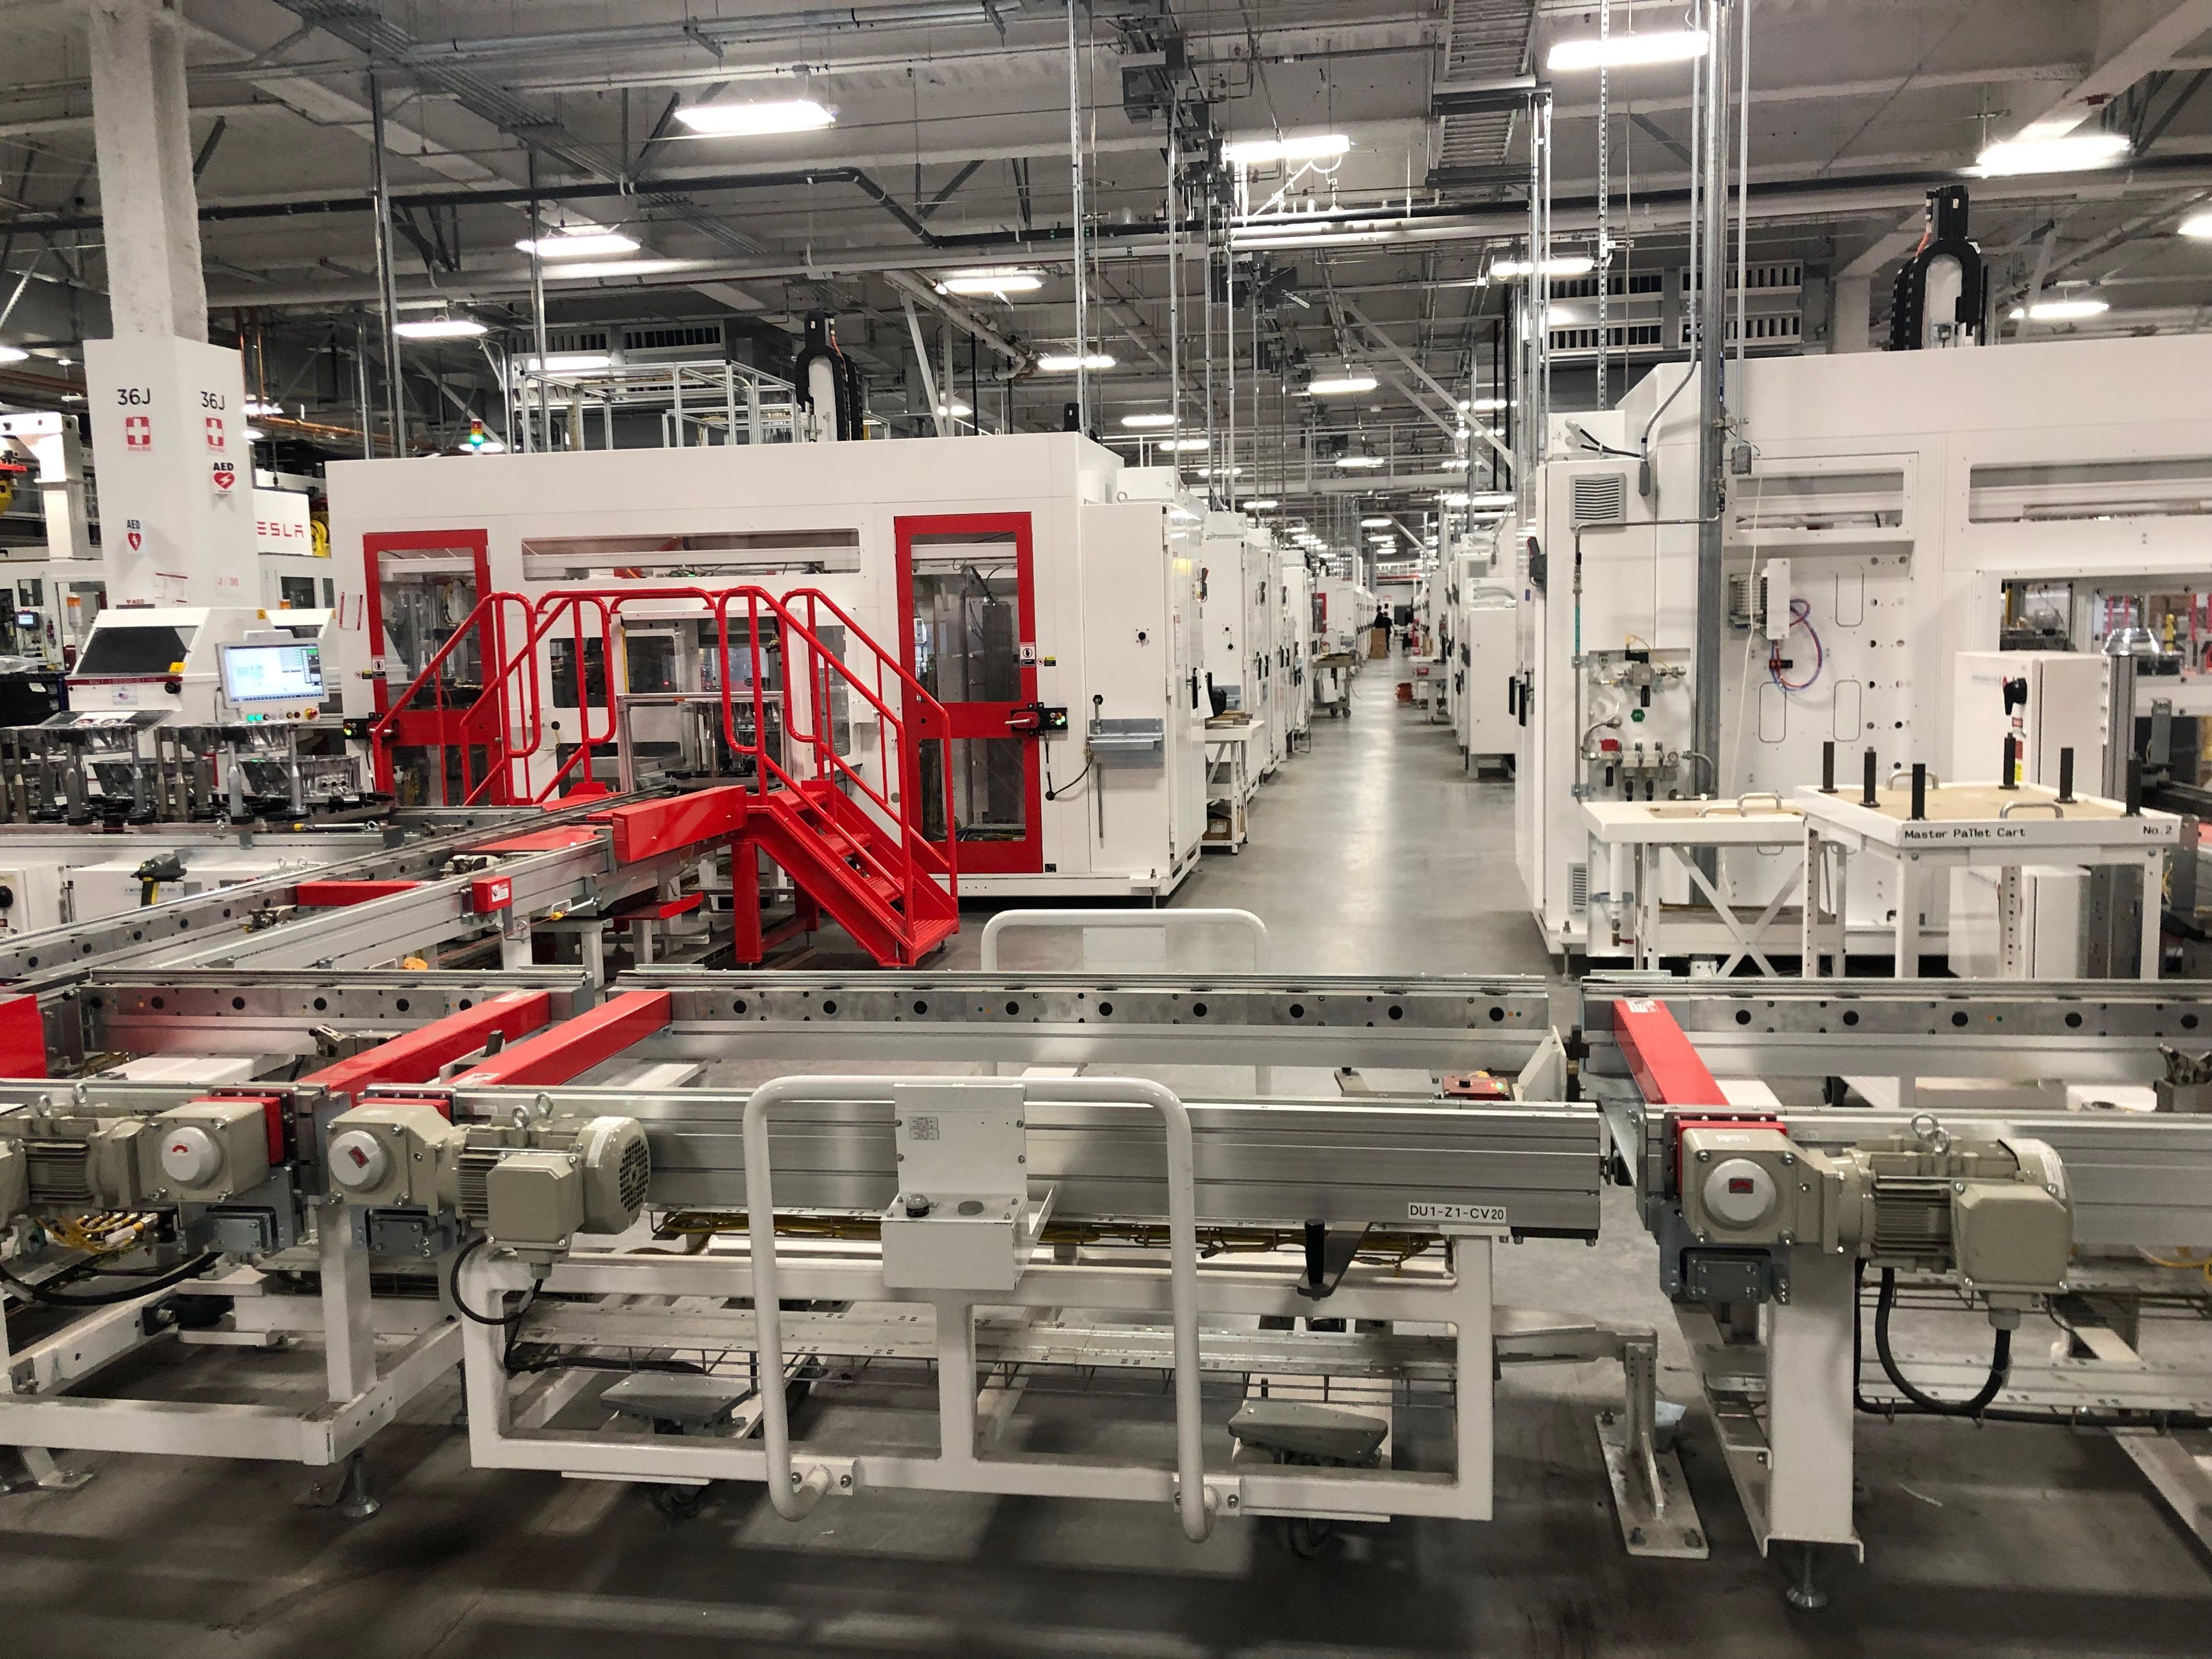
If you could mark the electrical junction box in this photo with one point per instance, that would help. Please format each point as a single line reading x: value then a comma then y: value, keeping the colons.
x: 534, y: 1202
x: 2011, y: 1234
x: 490, y: 894
x: 206, y: 1150
x: 962, y: 1220
x: 2048, y: 701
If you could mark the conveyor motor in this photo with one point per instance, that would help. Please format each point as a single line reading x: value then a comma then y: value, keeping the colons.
x: 532, y: 1186
x: 64, y: 1162
x: 1997, y: 1212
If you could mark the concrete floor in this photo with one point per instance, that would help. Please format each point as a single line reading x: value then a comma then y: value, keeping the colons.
x: 1372, y: 853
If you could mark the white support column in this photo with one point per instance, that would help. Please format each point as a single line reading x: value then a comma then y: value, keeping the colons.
x: 956, y: 1381
x: 348, y: 1337
x: 168, y: 409
x: 1853, y: 300
x: 1474, y: 1321
x: 1809, y: 1393
x: 150, y: 209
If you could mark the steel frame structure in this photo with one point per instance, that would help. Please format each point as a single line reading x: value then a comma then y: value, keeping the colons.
x: 1784, y: 1383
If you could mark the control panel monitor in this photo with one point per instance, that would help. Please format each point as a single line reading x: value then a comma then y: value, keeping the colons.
x: 272, y: 673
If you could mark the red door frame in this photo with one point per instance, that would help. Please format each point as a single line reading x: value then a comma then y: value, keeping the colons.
x: 424, y: 727
x: 983, y: 720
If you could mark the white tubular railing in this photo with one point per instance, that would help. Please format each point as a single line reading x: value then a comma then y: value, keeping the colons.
x: 792, y: 1494
x: 1163, y: 920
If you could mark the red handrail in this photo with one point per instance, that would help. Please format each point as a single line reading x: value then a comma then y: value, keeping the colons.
x: 809, y: 757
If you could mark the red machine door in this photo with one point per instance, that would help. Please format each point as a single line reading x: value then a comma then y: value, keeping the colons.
x: 421, y: 586
x: 966, y: 591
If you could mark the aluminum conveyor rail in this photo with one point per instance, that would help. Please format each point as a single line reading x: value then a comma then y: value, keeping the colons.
x: 1440, y: 1024
x: 2104, y: 1030
x: 189, y: 931
x: 1532, y: 1170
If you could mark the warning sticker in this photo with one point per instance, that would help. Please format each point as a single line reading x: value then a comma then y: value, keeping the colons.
x: 137, y: 431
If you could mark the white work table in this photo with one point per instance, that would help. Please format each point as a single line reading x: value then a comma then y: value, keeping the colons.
x: 1230, y: 778
x: 1653, y: 832
x: 1966, y: 824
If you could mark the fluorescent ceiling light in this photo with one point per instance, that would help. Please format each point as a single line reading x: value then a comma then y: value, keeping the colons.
x: 254, y: 434
x: 954, y: 409
x: 1251, y: 238
x: 2062, y: 311
x: 1340, y: 385
x: 588, y: 268
x: 1375, y: 524
x: 255, y: 406
x: 438, y: 328
x: 1629, y: 50
x: 567, y: 362
x: 1258, y: 503
x: 2073, y: 152
x: 2199, y: 225
x: 1482, y: 405
x: 1152, y: 418
x: 999, y: 281
x: 739, y: 119
x: 1453, y: 498
x: 1067, y: 362
x: 12, y: 354
x: 1314, y: 147
x: 1560, y: 264
x: 1360, y: 460
x: 579, y: 244
x: 1181, y: 446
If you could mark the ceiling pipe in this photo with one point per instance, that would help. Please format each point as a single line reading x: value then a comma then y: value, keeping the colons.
x: 1770, y: 199
x: 1770, y: 203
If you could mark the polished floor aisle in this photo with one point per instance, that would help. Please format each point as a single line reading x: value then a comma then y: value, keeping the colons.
x: 1371, y: 854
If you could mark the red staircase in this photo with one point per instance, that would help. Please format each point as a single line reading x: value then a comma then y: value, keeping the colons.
x: 852, y: 842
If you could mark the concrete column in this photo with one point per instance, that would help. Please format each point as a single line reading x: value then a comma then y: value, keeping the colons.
x: 149, y: 208
x: 1854, y: 303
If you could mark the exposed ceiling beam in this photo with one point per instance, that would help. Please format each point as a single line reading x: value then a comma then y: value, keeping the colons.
x: 2058, y: 74
x: 2139, y: 53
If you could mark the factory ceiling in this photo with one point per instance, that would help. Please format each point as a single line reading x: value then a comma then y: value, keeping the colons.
x: 948, y: 148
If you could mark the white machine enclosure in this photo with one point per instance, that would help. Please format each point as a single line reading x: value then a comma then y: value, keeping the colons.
x: 1486, y: 711
x: 1294, y: 651
x: 1242, y: 613
x: 1888, y: 497
x: 1344, y: 612
x: 1090, y: 572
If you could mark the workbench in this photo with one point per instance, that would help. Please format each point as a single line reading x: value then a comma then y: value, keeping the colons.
x: 1966, y: 825
x: 1655, y: 832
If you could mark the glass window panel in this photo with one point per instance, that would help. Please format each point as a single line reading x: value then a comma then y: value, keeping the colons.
x: 967, y: 632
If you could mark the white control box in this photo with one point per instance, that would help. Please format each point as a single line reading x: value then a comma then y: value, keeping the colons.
x: 962, y: 1220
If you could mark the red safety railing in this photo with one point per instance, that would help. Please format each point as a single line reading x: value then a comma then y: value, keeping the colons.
x: 871, y: 828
